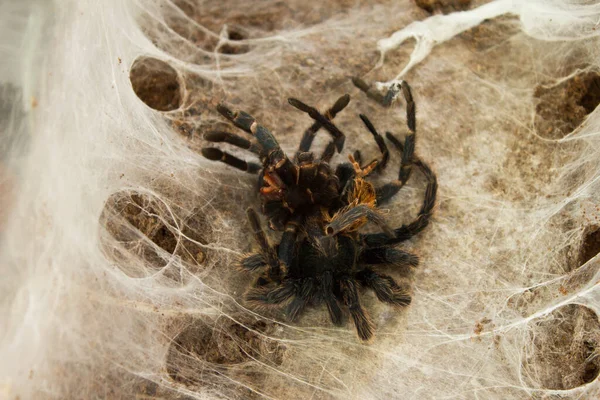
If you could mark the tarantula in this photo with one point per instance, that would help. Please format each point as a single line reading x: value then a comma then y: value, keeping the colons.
x: 322, y: 257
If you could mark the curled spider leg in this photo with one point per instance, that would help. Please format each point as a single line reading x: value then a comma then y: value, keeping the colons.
x: 385, y: 154
x: 405, y: 232
x: 214, y: 154
x: 330, y: 114
x: 387, y: 191
x: 232, y: 138
x: 385, y: 287
x: 349, y: 295
x: 338, y: 136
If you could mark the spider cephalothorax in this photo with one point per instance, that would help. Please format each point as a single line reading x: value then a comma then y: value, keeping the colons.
x: 287, y: 186
x: 322, y: 257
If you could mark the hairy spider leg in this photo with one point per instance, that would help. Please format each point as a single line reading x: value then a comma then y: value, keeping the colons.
x: 268, y: 252
x: 264, y: 297
x: 385, y: 287
x: 338, y: 136
x: 405, y: 232
x: 388, y: 190
x: 385, y: 154
x: 328, y: 152
x: 226, y: 137
x: 243, y: 121
x: 330, y: 114
x: 268, y: 148
x: 288, y: 244
x: 304, y: 292
x: 389, y: 256
x: 327, y: 286
x: 349, y: 295
x: 286, y: 252
x: 232, y: 138
x: 214, y: 154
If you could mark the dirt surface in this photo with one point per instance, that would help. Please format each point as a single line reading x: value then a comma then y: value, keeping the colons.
x: 562, y: 108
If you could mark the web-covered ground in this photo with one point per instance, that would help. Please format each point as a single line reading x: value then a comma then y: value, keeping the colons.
x: 119, y: 239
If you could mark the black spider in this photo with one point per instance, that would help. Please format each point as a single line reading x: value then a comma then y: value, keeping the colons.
x: 322, y: 257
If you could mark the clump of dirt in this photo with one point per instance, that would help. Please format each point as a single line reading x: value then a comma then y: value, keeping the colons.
x: 565, y: 349
x: 563, y: 107
x: 156, y: 83
x: 591, y: 244
x: 141, y: 229
x: 443, y: 6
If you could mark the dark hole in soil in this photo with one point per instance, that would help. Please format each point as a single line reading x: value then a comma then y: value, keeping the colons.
x: 591, y: 245
x: 134, y: 220
x: 139, y: 223
x: 563, y: 108
x: 234, y: 35
x: 202, y: 349
x: 444, y: 6
x: 591, y: 98
x: 155, y: 83
x: 563, y: 348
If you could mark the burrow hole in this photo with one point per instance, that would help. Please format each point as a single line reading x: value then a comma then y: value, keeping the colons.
x: 563, y: 352
x: 156, y: 83
x: 591, y: 244
x: 235, y: 34
x: 142, y: 235
x: 212, y: 349
x: 563, y: 107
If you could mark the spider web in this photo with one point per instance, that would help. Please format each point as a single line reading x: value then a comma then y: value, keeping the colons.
x: 118, y: 238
